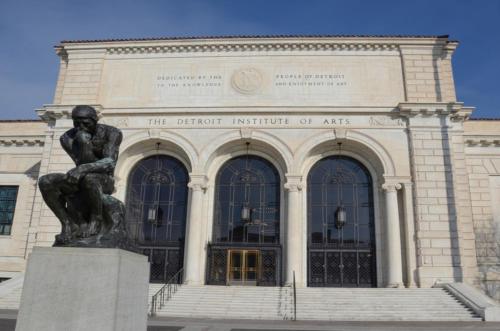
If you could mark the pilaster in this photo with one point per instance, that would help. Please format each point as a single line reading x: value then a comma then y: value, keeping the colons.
x: 294, y: 229
x: 393, y: 235
x: 193, y: 260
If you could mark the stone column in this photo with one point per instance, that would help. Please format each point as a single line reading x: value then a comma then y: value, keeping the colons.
x: 293, y: 226
x: 193, y: 274
x: 393, y: 236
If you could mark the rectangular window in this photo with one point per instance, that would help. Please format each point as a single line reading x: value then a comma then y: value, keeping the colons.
x: 8, y: 196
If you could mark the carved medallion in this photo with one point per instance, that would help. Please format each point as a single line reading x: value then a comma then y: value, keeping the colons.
x: 246, y: 80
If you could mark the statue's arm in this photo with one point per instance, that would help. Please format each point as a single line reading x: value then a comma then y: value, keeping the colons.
x: 67, y: 142
x: 110, y: 155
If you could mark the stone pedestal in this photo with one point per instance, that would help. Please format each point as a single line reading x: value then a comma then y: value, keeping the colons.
x: 73, y: 289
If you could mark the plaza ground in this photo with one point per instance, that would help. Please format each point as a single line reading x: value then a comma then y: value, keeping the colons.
x: 8, y: 318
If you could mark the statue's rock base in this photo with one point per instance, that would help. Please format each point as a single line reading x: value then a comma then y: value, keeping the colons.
x: 73, y: 289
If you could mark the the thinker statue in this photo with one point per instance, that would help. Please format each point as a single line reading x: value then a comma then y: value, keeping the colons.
x: 89, y: 215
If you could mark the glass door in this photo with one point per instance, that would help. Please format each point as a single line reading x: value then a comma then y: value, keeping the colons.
x: 243, y: 267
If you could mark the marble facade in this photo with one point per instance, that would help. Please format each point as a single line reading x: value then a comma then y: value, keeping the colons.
x: 390, y: 100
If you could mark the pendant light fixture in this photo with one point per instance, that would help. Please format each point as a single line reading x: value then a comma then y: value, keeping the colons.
x: 153, y: 209
x: 246, y: 211
x: 340, y: 213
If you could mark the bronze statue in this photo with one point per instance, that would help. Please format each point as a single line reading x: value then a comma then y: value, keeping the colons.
x: 81, y: 199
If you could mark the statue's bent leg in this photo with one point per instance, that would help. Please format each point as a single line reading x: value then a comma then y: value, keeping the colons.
x: 52, y: 187
x: 93, y: 186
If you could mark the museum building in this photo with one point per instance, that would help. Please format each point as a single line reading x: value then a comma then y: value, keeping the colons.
x: 342, y: 161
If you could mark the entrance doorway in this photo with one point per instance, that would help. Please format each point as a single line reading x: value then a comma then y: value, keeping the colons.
x: 246, y: 246
x: 243, y: 267
x: 341, y: 229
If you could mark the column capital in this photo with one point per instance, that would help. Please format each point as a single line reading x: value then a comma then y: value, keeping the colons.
x: 391, y: 187
x: 197, y: 182
x: 293, y: 182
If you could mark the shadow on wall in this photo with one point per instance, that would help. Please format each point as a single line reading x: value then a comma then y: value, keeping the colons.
x: 34, y: 171
x: 450, y: 196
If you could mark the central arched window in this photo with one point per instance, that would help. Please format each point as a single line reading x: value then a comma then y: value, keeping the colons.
x: 246, y: 234
x: 247, y: 201
x: 156, y: 212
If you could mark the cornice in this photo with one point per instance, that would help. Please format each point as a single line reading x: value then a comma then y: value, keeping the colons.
x: 482, y: 140
x: 249, y: 47
x: 19, y: 140
x: 455, y: 110
x: 52, y: 112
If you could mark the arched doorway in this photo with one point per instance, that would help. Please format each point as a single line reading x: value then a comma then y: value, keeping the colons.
x: 246, y: 233
x: 156, y: 212
x: 340, y: 254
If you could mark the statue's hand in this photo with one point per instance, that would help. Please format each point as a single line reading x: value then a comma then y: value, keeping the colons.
x: 73, y: 176
x: 83, y: 136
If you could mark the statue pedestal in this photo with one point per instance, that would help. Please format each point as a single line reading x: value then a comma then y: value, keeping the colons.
x: 98, y: 289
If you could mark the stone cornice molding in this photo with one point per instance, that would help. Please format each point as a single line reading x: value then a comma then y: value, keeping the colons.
x: 251, y: 47
x: 51, y: 112
x: 482, y: 140
x: 61, y: 52
x: 293, y: 182
x: 455, y: 110
x: 198, y: 182
x: 411, y: 109
x: 18, y: 140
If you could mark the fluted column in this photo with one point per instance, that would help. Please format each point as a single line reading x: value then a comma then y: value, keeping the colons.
x: 393, y: 236
x: 194, y: 243
x: 293, y: 225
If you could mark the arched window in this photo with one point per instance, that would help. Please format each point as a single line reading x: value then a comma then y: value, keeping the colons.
x: 247, y: 201
x: 340, y: 254
x: 246, y: 233
x: 156, y: 212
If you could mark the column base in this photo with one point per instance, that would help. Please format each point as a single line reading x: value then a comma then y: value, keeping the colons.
x: 193, y: 283
x: 395, y: 285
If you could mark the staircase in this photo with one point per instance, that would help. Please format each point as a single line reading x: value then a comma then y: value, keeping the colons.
x: 276, y: 303
x: 231, y: 302
x: 330, y: 304
x: 10, y: 292
x: 380, y: 304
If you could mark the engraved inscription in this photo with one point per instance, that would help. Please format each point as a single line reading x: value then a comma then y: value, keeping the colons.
x: 291, y: 79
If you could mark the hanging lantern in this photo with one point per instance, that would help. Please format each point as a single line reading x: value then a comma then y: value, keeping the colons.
x: 152, y: 213
x: 245, y: 213
x: 340, y: 217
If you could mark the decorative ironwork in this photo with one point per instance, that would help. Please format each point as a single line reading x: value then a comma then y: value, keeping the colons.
x: 247, y: 213
x: 217, y: 266
x: 342, y: 256
x: 156, y: 212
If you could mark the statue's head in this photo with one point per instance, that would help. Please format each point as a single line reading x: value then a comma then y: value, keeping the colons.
x: 84, y: 118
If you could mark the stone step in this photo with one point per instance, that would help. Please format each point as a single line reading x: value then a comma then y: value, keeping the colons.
x: 316, y: 304
x: 243, y: 302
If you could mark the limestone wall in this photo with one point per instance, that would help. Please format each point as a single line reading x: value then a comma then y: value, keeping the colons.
x: 482, y: 140
x: 259, y: 72
x: 21, y: 146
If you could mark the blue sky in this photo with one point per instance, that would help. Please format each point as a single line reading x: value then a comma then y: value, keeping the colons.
x: 29, y: 30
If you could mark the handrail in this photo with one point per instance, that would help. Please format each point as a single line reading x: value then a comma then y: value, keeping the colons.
x: 165, y: 292
x: 294, y: 298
